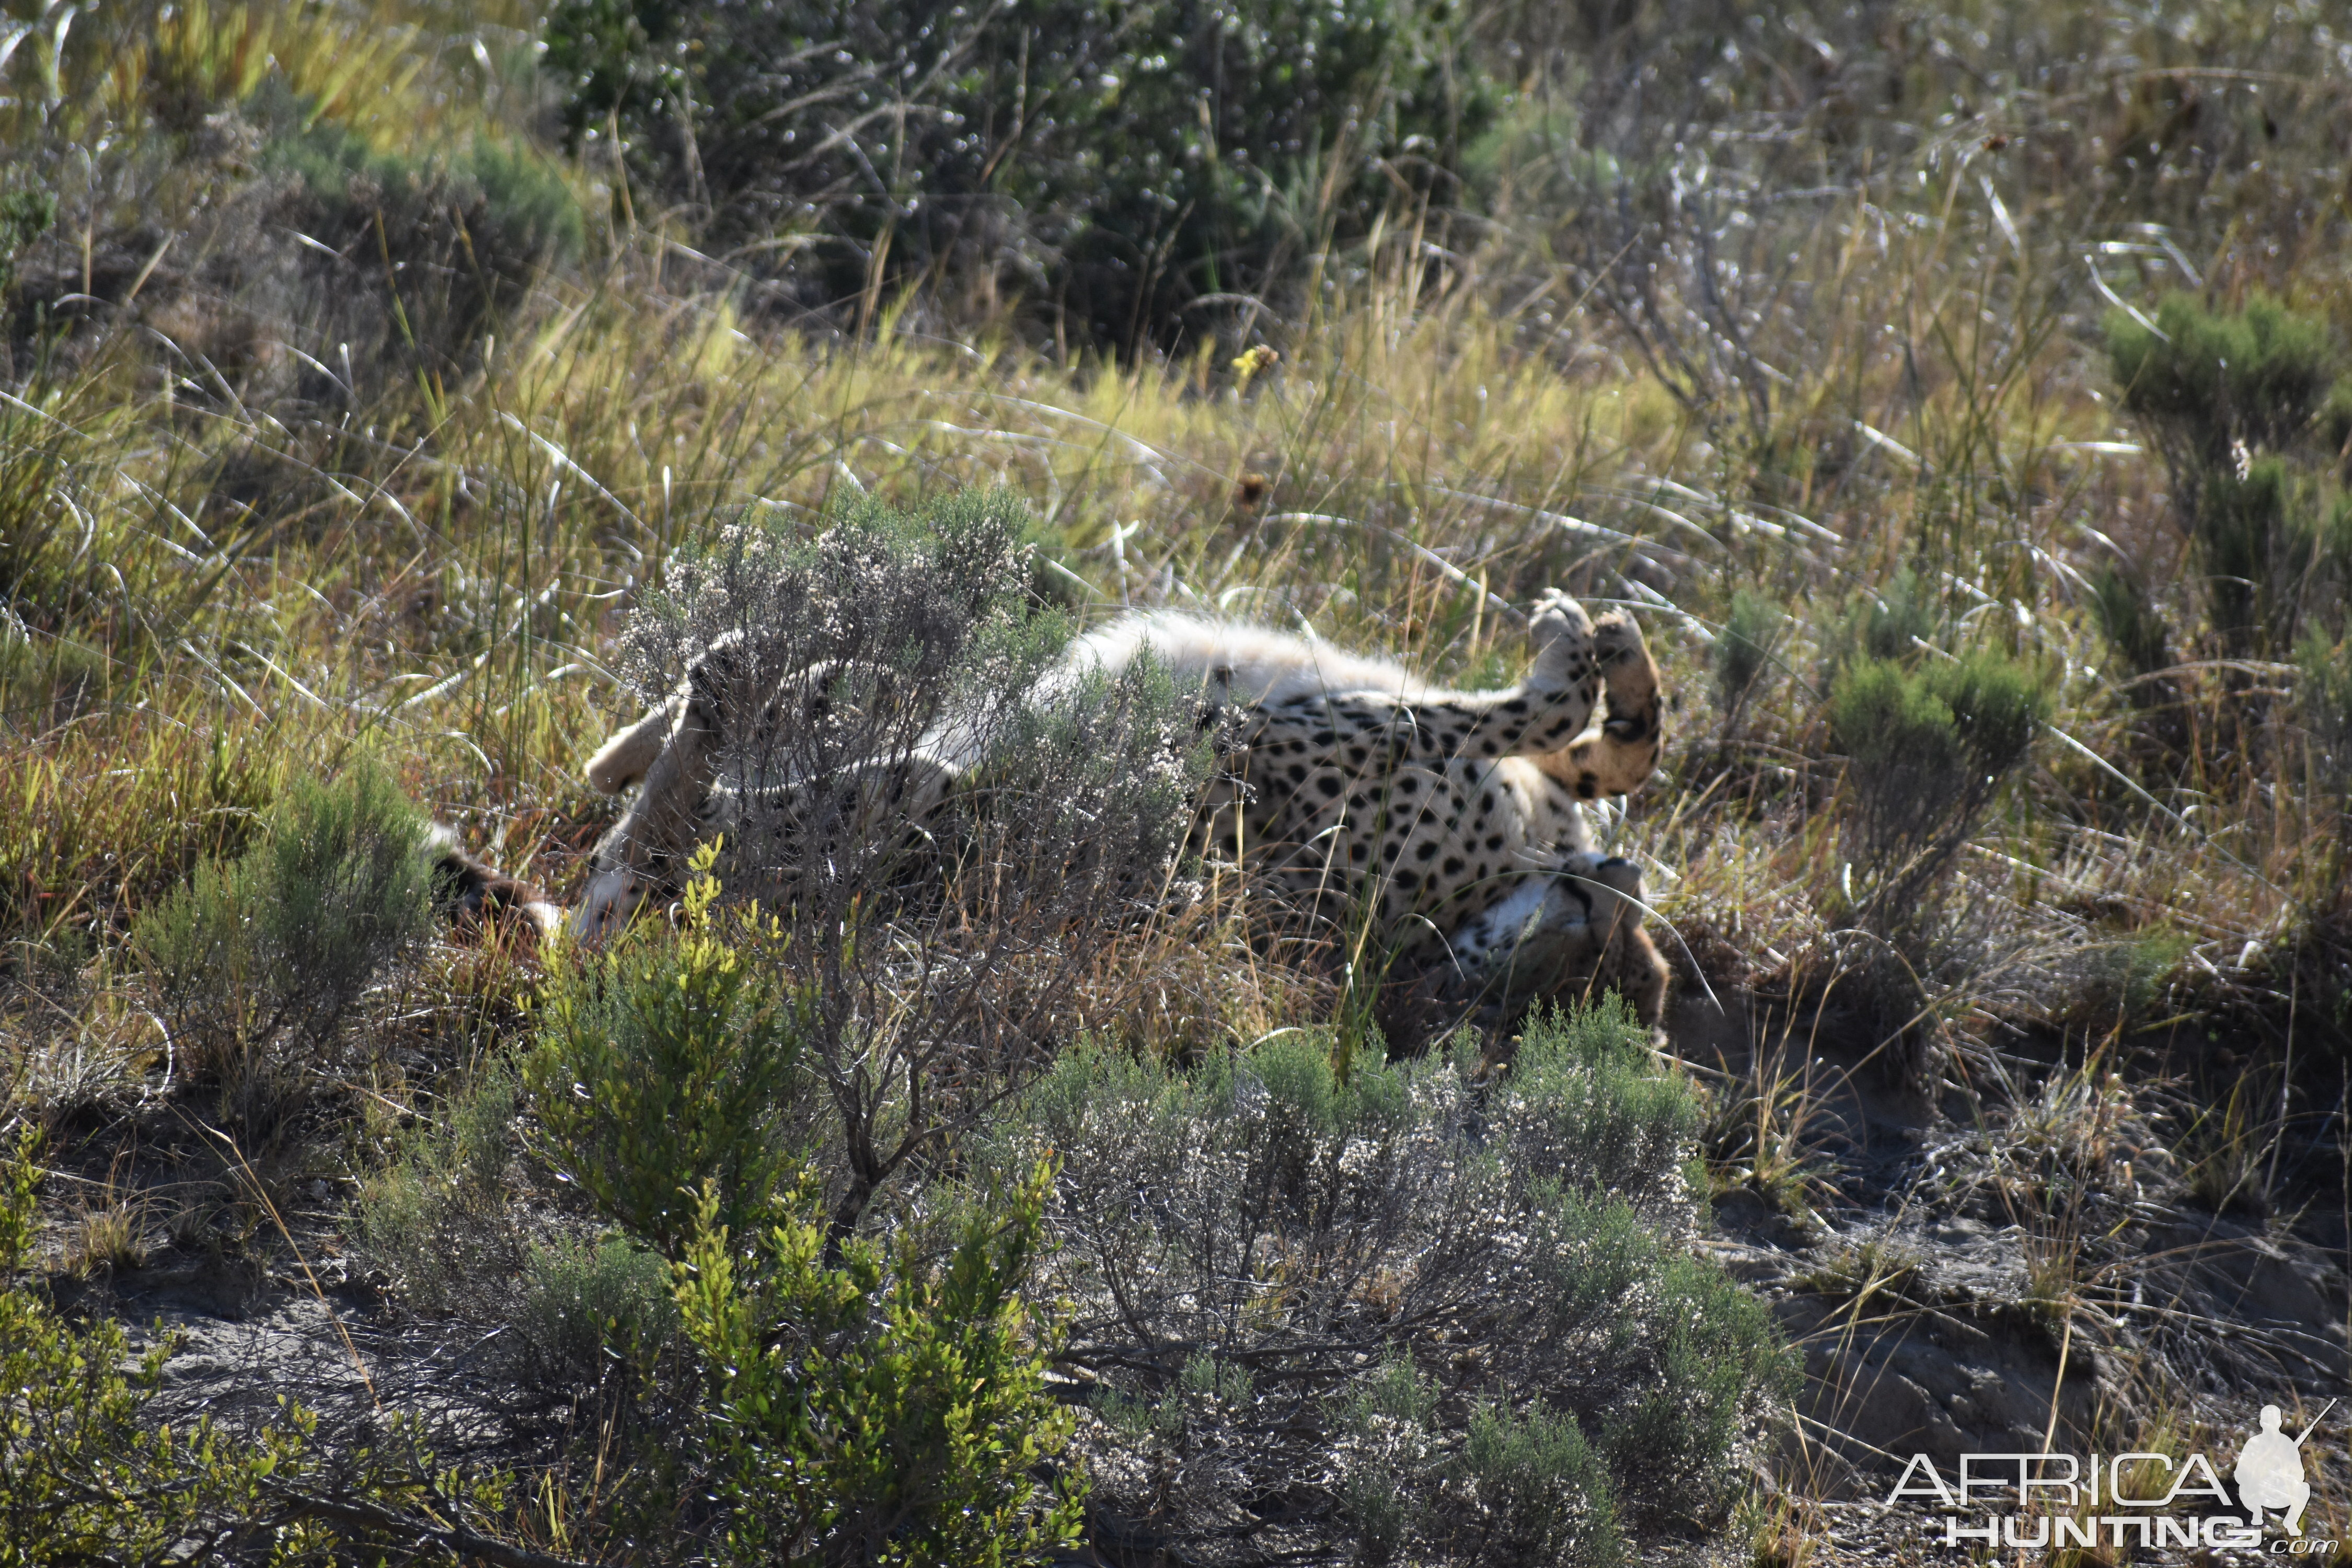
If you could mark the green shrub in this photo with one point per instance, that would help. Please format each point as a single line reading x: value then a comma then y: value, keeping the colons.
x: 666, y: 1064
x: 2126, y: 616
x: 2230, y: 398
x: 870, y: 1405
x: 436, y: 1213
x: 1927, y: 749
x: 1751, y: 638
x: 446, y: 244
x: 585, y: 1308
x: 257, y: 960
x: 1539, y: 1495
x: 1892, y: 624
x: 24, y: 217
x: 1070, y: 810
x: 2323, y: 702
x: 1118, y: 159
x: 2205, y: 380
x: 1291, y: 1229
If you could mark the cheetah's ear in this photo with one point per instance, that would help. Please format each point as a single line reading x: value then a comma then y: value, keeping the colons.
x: 623, y: 759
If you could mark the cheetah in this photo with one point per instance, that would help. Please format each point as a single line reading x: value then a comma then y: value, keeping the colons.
x: 1455, y: 823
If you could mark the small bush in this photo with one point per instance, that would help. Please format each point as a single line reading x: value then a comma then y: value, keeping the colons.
x: 665, y: 1066
x: 2206, y: 379
x: 586, y: 1307
x: 1538, y: 1494
x: 869, y: 1405
x: 2128, y: 617
x: 1511, y: 1242
x: 1064, y: 830
x: 257, y: 960
x: 24, y: 217
x: 437, y: 1215
x: 1927, y: 748
x: 2323, y: 702
x: 1892, y: 625
x: 1751, y: 638
x: 425, y: 254
x: 2229, y: 399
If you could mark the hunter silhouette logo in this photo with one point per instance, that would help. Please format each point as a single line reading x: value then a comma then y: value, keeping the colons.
x: 2270, y: 1472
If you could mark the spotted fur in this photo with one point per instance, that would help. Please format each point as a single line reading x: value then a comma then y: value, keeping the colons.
x: 1455, y: 823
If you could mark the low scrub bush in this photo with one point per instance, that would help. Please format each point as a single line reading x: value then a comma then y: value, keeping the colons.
x: 1746, y: 653
x: 1283, y: 1281
x: 668, y: 1066
x: 929, y: 965
x: 2233, y: 399
x: 1928, y: 747
x: 422, y: 254
x: 588, y: 1309
x: 437, y: 1215
x: 2324, y: 700
x: 256, y: 961
x: 2205, y: 380
x: 872, y: 1403
x: 1537, y: 1495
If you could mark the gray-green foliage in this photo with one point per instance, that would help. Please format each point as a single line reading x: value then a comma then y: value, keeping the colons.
x: 585, y: 1307
x: 1415, y: 1240
x: 930, y: 958
x: 2324, y: 700
x: 1746, y: 650
x: 436, y: 1215
x: 1539, y: 1494
x: 256, y: 961
x: 2206, y: 379
x: 2128, y: 618
x: 24, y: 217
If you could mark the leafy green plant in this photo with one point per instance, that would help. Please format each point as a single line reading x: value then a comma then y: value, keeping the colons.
x: 667, y: 1064
x: 256, y: 961
x: 870, y: 1405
